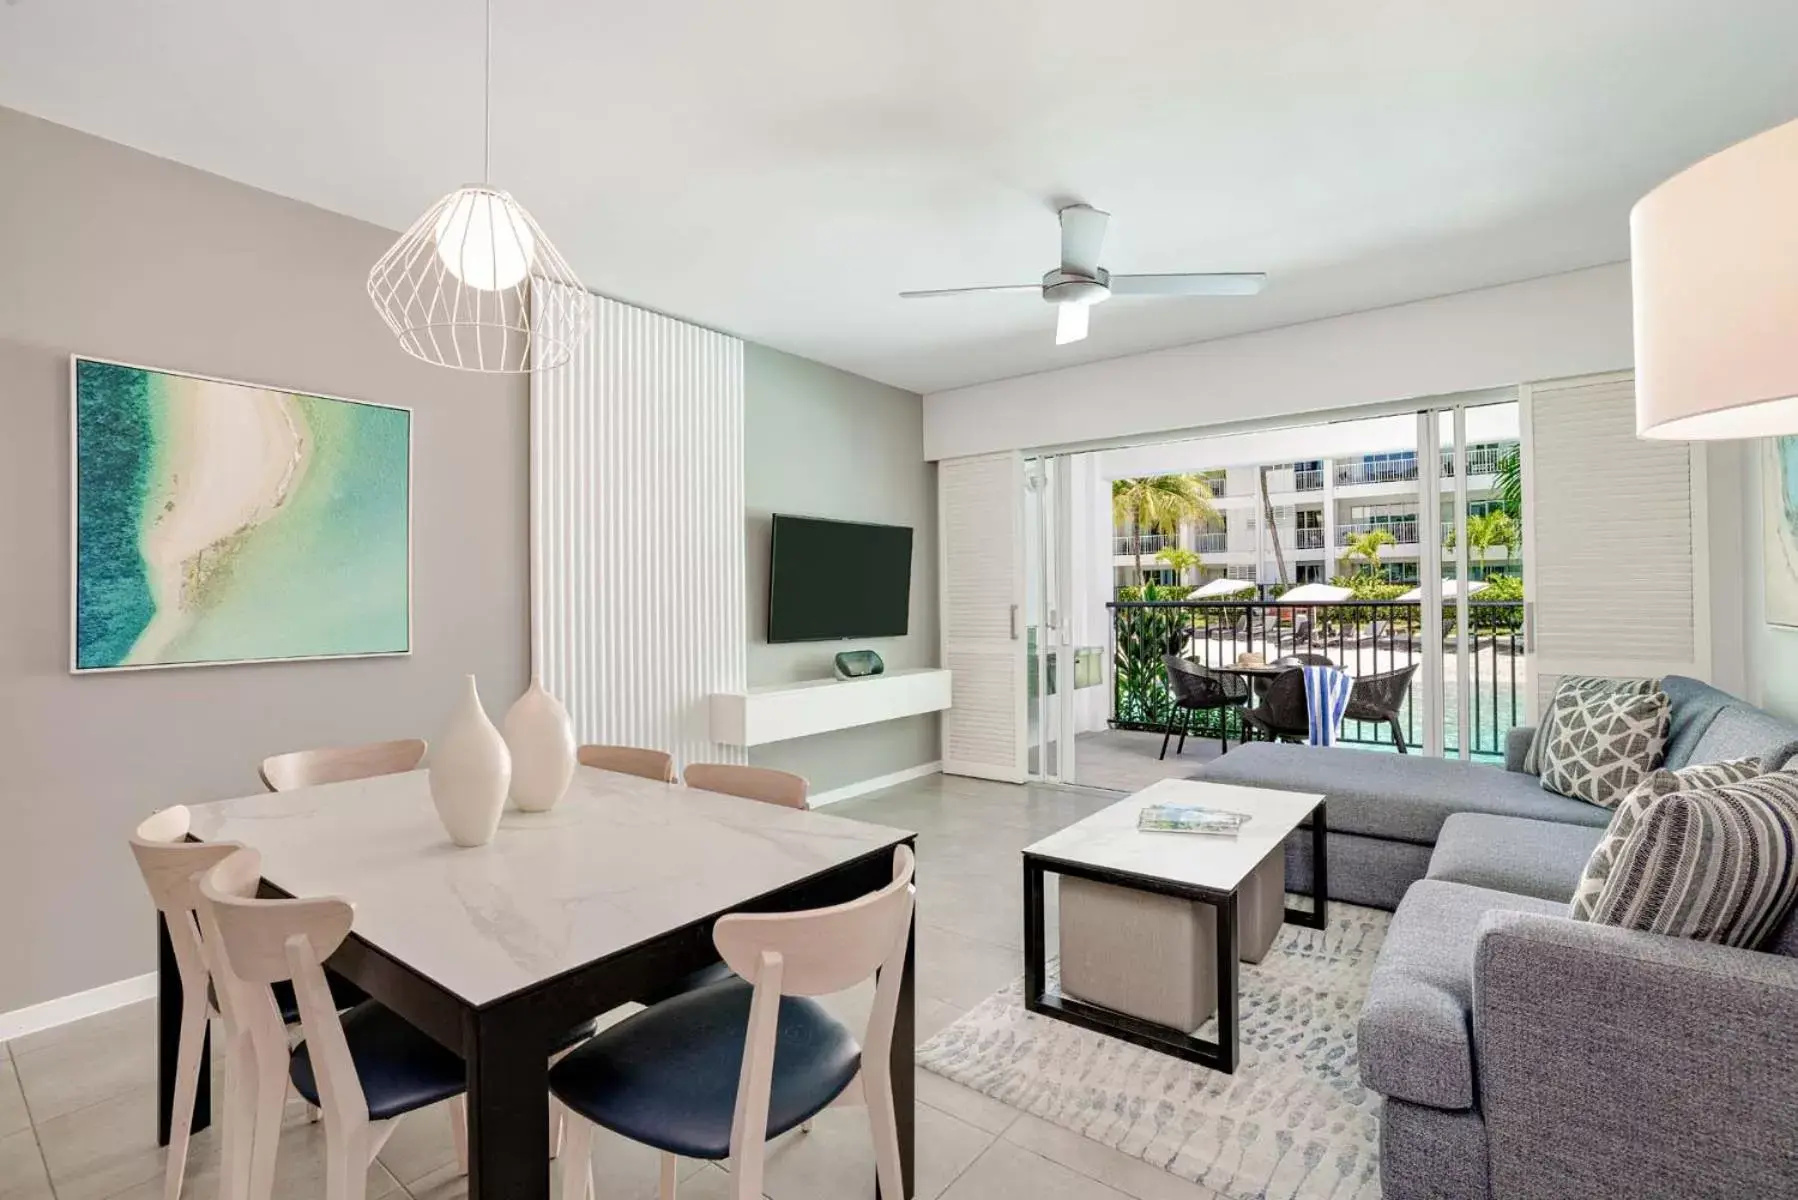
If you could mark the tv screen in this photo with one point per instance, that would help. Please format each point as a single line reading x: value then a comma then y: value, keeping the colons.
x: 833, y: 580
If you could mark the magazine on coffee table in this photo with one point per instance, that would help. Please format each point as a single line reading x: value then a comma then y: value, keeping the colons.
x: 1190, y: 818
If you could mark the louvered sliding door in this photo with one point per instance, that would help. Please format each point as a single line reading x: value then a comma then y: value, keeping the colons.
x: 981, y: 543
x: 1616, y: 581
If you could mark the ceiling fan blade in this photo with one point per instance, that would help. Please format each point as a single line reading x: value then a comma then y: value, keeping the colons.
x: 1242, y: 284
x: 1002, y: 287
x: 1070, y: 323
x: 1082, y: 236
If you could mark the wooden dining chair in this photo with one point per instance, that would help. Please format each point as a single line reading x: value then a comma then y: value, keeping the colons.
x: 171, y: 866
x: 364, y: 1069
x: 752, y: 783
x: 335, y: 764
x: 629, y: 760
x: 715, y: 1073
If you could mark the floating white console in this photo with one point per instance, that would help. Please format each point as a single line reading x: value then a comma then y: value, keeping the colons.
x: 792, y: 710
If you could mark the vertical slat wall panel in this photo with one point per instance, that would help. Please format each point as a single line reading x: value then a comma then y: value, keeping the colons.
x: 637, y: 531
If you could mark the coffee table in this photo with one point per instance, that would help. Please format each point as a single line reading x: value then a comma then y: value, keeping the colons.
x: 1108, y: 848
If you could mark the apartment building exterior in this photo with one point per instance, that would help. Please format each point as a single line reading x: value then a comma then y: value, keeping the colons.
x: 1319, y: 506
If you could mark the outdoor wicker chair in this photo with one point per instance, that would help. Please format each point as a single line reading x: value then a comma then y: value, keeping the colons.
x: 1304, y: 660
x: 1197, y: 689
x: 1379, y: 698
x: 1282, y: 714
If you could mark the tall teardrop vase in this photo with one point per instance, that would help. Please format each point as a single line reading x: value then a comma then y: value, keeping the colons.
x: 470, y: 773
x: 541, y: 739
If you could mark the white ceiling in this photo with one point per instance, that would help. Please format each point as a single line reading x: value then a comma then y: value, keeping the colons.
x: 780, y: 168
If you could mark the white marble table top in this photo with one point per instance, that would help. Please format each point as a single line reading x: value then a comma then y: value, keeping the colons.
x: 1110, y: 839
x: 618, y: 861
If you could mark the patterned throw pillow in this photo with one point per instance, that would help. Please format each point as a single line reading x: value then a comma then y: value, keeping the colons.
x: 1590, y: 686
x: 1713, y: 865
x: 1629, y: 813
x: 1604, y: 744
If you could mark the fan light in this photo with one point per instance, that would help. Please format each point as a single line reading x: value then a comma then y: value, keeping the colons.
x: 481, y: 242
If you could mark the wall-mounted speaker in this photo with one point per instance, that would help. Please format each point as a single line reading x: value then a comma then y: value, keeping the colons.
x: 859, y: 664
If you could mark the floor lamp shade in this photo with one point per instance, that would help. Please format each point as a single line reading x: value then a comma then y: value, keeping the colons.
x: 1714, y: 266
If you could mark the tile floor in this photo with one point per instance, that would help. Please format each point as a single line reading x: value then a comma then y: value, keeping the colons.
x: 1126, y: 760
x: 77, y: 1103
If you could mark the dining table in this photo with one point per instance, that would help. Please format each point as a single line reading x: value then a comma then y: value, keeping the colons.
x: 499, y: 950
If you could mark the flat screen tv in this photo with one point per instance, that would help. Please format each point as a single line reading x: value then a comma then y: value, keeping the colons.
x: 835, y: 580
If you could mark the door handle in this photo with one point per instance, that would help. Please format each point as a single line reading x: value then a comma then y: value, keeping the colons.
x: 1014, y: 622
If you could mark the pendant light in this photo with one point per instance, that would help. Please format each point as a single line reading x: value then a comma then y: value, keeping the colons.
x: 475, y: 284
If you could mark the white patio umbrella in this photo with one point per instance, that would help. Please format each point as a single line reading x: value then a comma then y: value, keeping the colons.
x: 1222, y: 587
x: 1315, y: 593
x: 1451, y: 589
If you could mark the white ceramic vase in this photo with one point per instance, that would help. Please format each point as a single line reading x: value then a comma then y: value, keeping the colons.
x: 541, y: 739
x: 470, y: 773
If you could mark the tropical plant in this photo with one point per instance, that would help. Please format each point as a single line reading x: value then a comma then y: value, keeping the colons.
x: 1158, y: 504
x: 1366, y: 546
x: 1510, y: 482
x: 1143, y: 637
x: 1180, y: 559
x: 1484, y: 531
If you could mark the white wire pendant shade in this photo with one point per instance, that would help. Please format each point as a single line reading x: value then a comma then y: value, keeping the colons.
x: 456, y: 288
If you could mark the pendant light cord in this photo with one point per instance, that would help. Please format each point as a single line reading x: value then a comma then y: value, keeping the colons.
x: 487, y: 104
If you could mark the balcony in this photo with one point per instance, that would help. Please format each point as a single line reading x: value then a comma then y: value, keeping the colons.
x: 1308, y: 481
x: 1308, y: 539
x: 1396, y: 471
x: 1143, y: 543
x: 1403, y: 532
x: 1364, y: 639
x: 1211, y: 543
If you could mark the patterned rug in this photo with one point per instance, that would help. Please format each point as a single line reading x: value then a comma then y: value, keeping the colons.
x: 1292, y: 1122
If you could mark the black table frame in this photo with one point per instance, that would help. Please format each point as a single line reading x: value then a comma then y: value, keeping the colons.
x: 1221, y: 1054
x: 506, y: 1043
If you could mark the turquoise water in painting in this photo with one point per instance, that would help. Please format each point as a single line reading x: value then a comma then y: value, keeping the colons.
x: 328, y: 573
x: 112, y: 592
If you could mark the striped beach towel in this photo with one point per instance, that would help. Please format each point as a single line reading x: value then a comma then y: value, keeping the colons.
x: 1326, y: 698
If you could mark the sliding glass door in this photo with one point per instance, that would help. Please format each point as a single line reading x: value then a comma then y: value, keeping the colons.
x: 1049, y: 654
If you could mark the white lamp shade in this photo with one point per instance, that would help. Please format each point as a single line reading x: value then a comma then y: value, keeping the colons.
x: 1714, y: 265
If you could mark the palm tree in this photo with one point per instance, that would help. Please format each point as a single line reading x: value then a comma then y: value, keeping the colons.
x: 1367, y: 546
x: 1157, y: 504
x: 1510, y: 483
x: 1273, y: 529
x: 1180, y: 559
x: 1484, y: 531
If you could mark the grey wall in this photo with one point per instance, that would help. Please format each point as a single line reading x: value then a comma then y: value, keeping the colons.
x: 821, y: 442
x: 116, y: 254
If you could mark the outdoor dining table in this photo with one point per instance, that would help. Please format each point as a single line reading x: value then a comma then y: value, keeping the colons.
x: 498, y: 950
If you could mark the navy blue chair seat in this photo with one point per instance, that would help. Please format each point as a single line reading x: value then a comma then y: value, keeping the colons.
x: 667, y: 1077
x: 401, y: 1068
x: 345, y: 993
x: 704, y: 977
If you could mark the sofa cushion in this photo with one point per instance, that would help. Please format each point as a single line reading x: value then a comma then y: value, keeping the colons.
x: 1576, y: 689
x: 1603, y: 744
x: 1509, y: 854
x: 1403, y: 797
x: 1695, y: 705
x: 1597, y: 871
x: 1741, y: 731
x: 1415, y: 1038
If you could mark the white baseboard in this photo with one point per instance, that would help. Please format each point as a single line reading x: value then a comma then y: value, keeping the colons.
x: 849, y: 790
x: 51, y: 1013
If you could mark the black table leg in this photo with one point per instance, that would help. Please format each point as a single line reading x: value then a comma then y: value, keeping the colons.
x: 1228, y: 954
x: 1317, y: 916
x: 508, y: 1109
x: 168, y: 1041
x: 1035, y: 938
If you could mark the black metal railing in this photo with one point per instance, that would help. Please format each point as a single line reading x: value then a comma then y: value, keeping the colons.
x: 1364, y: 638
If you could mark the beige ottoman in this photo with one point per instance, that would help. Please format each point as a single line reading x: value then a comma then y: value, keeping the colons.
x: 1154, y: 957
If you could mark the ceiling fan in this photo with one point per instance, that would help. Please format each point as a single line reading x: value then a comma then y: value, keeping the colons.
x: 1080, y: 282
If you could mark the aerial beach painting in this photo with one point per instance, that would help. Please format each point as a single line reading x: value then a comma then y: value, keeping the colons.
x: 220, y: 522
x: 1779, y: 529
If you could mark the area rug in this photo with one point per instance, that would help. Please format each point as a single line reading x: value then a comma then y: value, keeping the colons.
x: 1292, y: 1122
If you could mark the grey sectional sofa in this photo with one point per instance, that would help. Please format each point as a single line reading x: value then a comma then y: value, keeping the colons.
x: 1521, y: 1054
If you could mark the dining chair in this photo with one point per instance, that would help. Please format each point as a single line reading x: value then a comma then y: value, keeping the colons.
x: 1281, y: 715
x: 1382, y: 698
x: 364, y: 1069
x: 1196, y: 688
x: 629, y: 760
x: 716, y: 1073
x: 335, y: 764
x: 752, y: 783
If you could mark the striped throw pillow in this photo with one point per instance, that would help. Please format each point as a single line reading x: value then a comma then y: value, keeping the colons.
x: 1630, y: 810
x: 1714, y: 864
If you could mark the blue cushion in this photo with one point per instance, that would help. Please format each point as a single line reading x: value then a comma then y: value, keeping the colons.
x: 1695, y: 704
x: 401, y: 1069
x: 345, y: 993
x: 667, y: 1077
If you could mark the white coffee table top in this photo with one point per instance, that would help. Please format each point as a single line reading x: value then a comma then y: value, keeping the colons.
x: 1110, y: 840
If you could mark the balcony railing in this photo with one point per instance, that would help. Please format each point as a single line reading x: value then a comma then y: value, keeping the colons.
x: 1403, y: 532
x: 1310, y: 480
x: 1308, y: 539
x: 1211, y: 543
x: 1143, y: 543
x: 1216, y: 483
x: 1364, y: 639
x: 1481, y: 460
